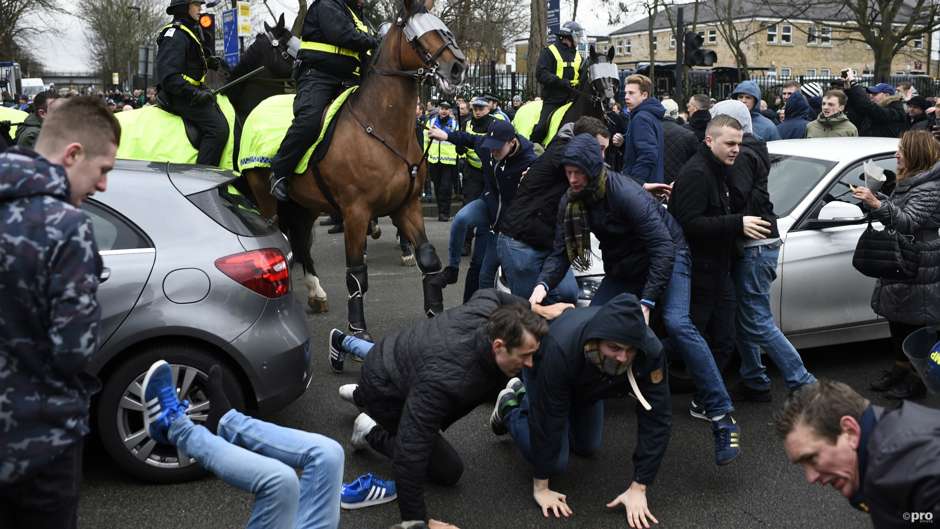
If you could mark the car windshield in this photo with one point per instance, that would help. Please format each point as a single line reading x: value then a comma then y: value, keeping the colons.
x: 791, y: 178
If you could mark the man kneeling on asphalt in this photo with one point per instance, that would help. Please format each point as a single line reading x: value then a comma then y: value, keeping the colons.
x: 417, y: 382
x: 590, y: 354
x: 886, y: 462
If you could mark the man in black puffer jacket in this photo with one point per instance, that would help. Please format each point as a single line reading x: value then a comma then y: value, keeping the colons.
x: 527, y: 230
x: 417, y: 382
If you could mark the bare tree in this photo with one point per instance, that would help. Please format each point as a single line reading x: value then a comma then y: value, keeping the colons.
x: 538, y: 37
x: 20, y: 22
x: 483, y: 27
x: 116, y: 29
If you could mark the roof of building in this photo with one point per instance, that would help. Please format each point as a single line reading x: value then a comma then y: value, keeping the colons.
x: 745, y: 9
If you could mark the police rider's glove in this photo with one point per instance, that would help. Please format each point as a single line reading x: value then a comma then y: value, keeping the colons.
x: 213, y: 62
x: 203, y: 96
x: 5, y: 128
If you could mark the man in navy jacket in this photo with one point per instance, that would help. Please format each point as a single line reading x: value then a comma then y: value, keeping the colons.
x: 643, y: 141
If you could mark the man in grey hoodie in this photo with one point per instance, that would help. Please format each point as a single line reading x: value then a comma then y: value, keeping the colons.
x: 748, y: 93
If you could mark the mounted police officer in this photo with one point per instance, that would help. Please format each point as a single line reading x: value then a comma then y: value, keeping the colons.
x: 559, y: 73
x: 182, y: 63
x: 334, y: 47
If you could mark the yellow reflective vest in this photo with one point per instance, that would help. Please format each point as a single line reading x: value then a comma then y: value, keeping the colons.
x: 331, y: 48
x: 560, y: 65
x: 442, y: 152
x: 471, y: 154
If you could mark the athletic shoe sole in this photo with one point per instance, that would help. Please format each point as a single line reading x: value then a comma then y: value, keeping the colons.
x: 152, y: 408
x: 498, y: 423
x: 376, y: 491
x: 346, y: 392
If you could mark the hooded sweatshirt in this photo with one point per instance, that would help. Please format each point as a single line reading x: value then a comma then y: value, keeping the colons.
x: 763, y: 127
x: 735, y: 109
x: 643, y: 142
x: 797, y: 114
x: 49, y: 267
x: 834, y: 126
x: 567, y: 380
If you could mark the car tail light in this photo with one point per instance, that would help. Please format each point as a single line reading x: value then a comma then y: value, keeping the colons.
x: 265, y: 271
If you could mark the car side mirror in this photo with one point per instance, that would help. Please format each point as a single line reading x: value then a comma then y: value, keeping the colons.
x: 837, y: 213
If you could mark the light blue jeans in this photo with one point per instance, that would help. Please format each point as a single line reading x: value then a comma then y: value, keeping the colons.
x: 357, y: 346
x: 473, y: 215
x: 260, y: 457
x: 756, y: 329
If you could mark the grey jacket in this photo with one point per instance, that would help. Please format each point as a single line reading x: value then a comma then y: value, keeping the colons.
x: 914, y: 209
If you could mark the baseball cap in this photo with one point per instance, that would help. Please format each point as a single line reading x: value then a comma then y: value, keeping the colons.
x: 479, y: 101
x: 497, y: 134
x: 444, y: 104
x: 881, y: 88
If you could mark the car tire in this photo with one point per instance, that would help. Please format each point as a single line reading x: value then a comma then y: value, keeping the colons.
x: 119, y: 411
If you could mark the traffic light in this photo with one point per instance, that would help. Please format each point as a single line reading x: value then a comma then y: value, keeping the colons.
x: 207, y: 24
x: 695, y: 55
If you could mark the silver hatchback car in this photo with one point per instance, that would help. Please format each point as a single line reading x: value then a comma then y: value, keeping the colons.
x: 194, y: 275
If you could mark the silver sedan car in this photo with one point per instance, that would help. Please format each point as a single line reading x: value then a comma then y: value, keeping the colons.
x: 194, y: 275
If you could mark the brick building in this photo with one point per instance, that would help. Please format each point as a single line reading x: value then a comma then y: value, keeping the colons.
x: 812, y: 43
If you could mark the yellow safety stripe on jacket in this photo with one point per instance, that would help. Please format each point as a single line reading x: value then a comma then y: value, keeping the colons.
x: 198, y: 42
x: 338, y: 50
x: 555, y: 123
x: 471, y: 154
x: 441, y: 152
x: 560, y: 65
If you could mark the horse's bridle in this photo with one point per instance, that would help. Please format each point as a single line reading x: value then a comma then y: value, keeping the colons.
x: 413, y: 26
x: 288, y: 49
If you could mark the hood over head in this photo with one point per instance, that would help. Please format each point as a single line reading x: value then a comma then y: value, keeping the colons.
x: 584, y: 152
x: 797, y: 107
x: 735, y: 109
x: 566, y: 131
x: 25, y: 173
x: 750, y: 88
x: 621, y: 320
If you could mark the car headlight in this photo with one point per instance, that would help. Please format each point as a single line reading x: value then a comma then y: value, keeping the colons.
x: 587, y: 286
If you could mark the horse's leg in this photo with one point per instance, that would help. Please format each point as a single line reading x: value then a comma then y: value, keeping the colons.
x: 258, y: 183
x: 411, y: 223
x: 316, y: 296
x: 357, y: 281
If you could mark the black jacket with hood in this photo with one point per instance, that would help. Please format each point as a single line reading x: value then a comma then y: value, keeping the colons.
x: 886, y: 119
x: 567, y: 379
x: 531, y: 219
x: 748, y: 183
x: 439, y: 370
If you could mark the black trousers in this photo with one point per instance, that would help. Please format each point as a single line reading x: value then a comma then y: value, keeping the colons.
x: 712, y: 309
x: 541, y: 126
x: 472, y: 184
x: 47, y: 499
x: 900, y: 331
x: 315, y: 91
x: 444, y: 466
x: 211, y: 124
x: 443, y: 177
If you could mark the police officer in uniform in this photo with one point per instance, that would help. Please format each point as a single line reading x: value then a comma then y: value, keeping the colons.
x: 182, y: 63
x: 442, y: 160
x: 559, y: 73
x: 334, y: 45
x: 477, y: 125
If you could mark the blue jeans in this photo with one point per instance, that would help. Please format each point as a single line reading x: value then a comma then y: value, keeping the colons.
x: 473, y: 214
x: 582, y: 435
x: 260, y: 458
x: 490, y: 264
x: 357, y: 346
x: 685, y: 337
x: 756, y: 329
x: 523, y: 264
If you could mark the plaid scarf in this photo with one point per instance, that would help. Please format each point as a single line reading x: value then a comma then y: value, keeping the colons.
x: 577, y: 230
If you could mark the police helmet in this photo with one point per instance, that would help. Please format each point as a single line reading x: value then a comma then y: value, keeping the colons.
x: 570, y: 29
x: 177, y: 3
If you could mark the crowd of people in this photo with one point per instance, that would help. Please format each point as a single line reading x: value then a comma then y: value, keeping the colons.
x: 689, y: 245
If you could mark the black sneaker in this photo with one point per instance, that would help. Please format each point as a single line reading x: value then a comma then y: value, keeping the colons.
x: 505, y: 402
x: 337, y: 354
x: 517, y: 387
x: 727, y: 440
x: 698, y: 411
x: 447, y: 276
x: 910, y: 387
x: 889, y: 378
x: 741, y: 392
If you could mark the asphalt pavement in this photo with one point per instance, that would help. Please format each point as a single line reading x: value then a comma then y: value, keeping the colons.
x: 759, y: 490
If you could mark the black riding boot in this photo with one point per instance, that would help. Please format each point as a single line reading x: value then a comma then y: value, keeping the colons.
x: 357, y: 285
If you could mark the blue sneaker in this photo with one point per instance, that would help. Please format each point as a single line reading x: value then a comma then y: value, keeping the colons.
x: 727, y: 440
x: 367, y: 491
x: 162, y: 407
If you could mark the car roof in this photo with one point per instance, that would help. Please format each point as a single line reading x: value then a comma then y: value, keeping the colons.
x: 833, y: 149
x: 187, y: 178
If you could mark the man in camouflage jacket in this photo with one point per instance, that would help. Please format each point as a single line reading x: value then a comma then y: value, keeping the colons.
x: 49, y: 268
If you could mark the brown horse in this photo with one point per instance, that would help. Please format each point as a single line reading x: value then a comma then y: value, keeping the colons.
x: 374, y: 165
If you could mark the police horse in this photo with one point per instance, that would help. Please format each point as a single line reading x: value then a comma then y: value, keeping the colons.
x: 373, y: 165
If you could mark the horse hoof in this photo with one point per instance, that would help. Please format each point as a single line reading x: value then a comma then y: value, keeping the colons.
x: 375, y: 230
x: 408, y: 260
x: 318, y: 306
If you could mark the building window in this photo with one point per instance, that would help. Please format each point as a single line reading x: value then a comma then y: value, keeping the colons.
x: 825, y: 72
x: 712, y: 36
x: 655, y: 43
x: 772, y: 34
x: 819, y: 35
x: 620, y: 49
x: 918, y: 43
x: 786, y: 34
x: 672, y: 41
x: 825, y: 36
x: 811, y: 72
x: 627, y: 47
x: 784, y: 72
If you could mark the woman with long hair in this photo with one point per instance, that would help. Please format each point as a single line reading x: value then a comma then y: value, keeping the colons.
x: 912, y: 209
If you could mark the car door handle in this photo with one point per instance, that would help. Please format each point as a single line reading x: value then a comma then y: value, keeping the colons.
x: 104, y: 275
